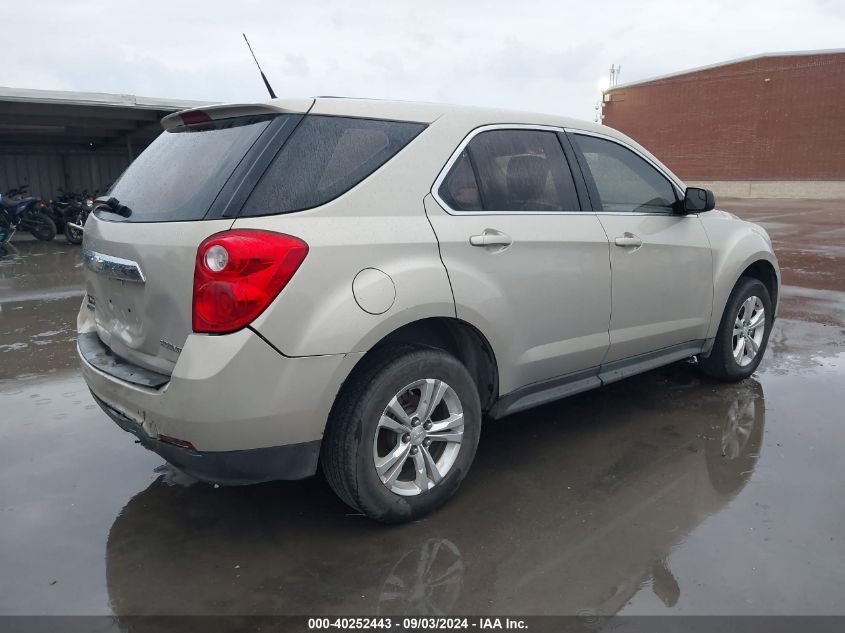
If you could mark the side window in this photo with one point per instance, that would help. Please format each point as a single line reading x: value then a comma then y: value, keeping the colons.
x: 511, y: 170
x: 460, y: 189
x: 625, y: 182
x: 325, y: 157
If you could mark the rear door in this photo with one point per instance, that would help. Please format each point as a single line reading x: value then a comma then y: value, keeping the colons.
x: 525, y: 262
x: 661, y: 261
x: 140, y: 254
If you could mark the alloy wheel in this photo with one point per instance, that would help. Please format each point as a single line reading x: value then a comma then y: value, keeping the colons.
x: 418, y: 437
x: 748, y: 331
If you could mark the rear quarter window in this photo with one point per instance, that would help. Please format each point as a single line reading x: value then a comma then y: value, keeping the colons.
x: 460, y: 188
x: 325, y: 157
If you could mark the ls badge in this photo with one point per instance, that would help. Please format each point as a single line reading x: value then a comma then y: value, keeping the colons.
x: 170, y: 346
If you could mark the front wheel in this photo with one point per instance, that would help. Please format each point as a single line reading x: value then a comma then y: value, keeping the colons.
x: 41, y: 226
x: 402, y: 434
x: 72, y: 235
x: 743, y: 332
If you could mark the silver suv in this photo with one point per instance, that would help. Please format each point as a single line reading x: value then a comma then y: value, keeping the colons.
x: 354, y: 284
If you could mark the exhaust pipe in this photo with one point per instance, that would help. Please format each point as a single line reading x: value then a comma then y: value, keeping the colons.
x: 78, y: 227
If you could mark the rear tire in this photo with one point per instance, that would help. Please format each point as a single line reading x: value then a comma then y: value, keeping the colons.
x: 739, y: 347
x: 364, y: 431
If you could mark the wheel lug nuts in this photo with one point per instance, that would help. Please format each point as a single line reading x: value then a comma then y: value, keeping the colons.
x: 426, y: 442
x: 413, y: 450
x: 415, y: 421
x: 427, y: 425
x: 406, y: 438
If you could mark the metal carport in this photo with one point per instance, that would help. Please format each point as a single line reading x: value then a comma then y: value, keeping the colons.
x: 55, y: 140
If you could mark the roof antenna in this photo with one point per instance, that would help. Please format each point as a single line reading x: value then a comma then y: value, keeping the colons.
x: 263, y: 76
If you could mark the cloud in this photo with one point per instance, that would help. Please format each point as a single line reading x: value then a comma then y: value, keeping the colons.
x: 536, y: 55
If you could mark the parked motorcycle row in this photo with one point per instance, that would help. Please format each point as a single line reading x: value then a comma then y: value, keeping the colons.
x: 44, y: 219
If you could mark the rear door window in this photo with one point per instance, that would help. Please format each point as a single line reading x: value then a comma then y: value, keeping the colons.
x: 325, y: 157
x: 624, y: 182
x: 514, y: 170
x: 180, y: 174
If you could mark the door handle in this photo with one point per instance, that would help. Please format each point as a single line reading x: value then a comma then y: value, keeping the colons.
x: 628, y: 239
x: 491, y: 237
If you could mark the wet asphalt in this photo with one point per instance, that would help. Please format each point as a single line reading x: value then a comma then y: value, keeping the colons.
x: 665, y: 493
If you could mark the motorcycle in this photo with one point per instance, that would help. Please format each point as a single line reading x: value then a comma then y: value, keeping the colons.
x: 76, y: 217
x: 61, y: 207
x: 25, y: 213
x: 69, y: 212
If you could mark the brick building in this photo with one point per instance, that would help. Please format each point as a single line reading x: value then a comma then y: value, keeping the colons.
x: 772, y: 125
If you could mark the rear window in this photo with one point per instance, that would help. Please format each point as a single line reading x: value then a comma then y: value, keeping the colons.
x: 325, y: 157
x: 180, y: 174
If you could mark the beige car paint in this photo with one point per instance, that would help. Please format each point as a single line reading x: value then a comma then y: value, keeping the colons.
x: 540, y: 325
x: 229, y: 392
x: 133, y: 318
x: 735, y: 245
x: 374, y: 291
x: 304, y: 322
x: 543, y: 302
x: 662, y: 290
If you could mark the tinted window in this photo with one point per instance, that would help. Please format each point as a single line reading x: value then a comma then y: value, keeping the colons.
x: 460, y: 189
x: 521, y: 170
x: 625, y: 181
x: 325, y: 157
x: 180, y: 174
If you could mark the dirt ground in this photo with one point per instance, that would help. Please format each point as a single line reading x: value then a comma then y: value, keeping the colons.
x: 663, y: 494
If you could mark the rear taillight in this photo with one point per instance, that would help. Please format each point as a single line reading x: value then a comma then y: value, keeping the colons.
x: 238, y: 274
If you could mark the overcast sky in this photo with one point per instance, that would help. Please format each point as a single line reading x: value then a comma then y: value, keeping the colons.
x: 546, y: 56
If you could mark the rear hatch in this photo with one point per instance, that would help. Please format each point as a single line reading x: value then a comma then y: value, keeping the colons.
x: 139, y: 252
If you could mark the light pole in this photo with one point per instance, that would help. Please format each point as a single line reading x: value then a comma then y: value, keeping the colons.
x: 605, y: 84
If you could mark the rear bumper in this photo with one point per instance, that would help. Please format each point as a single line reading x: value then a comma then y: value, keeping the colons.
x: 251, y: 413
x: 231, y: 468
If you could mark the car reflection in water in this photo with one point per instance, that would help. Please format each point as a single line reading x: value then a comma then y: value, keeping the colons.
x: 570, y: 509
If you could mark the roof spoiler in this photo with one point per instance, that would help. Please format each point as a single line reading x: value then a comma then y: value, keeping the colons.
x: 229, y: 111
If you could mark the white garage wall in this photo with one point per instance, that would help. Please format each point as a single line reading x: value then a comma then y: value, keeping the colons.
x: 47, y: 170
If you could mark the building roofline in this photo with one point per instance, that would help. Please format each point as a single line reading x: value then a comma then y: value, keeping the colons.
x: 829, y: 51
x: 102, y: 99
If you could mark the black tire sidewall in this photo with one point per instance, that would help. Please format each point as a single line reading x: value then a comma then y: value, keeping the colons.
x: 745, y: 288
x: 373, y: 497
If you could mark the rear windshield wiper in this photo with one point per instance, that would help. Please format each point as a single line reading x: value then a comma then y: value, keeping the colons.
x: 112, y: 205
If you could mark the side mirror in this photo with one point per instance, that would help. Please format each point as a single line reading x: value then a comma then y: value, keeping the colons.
x: 697, y: 200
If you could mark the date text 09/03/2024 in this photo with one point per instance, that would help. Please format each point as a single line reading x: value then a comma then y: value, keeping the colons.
x: 417, y: 623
